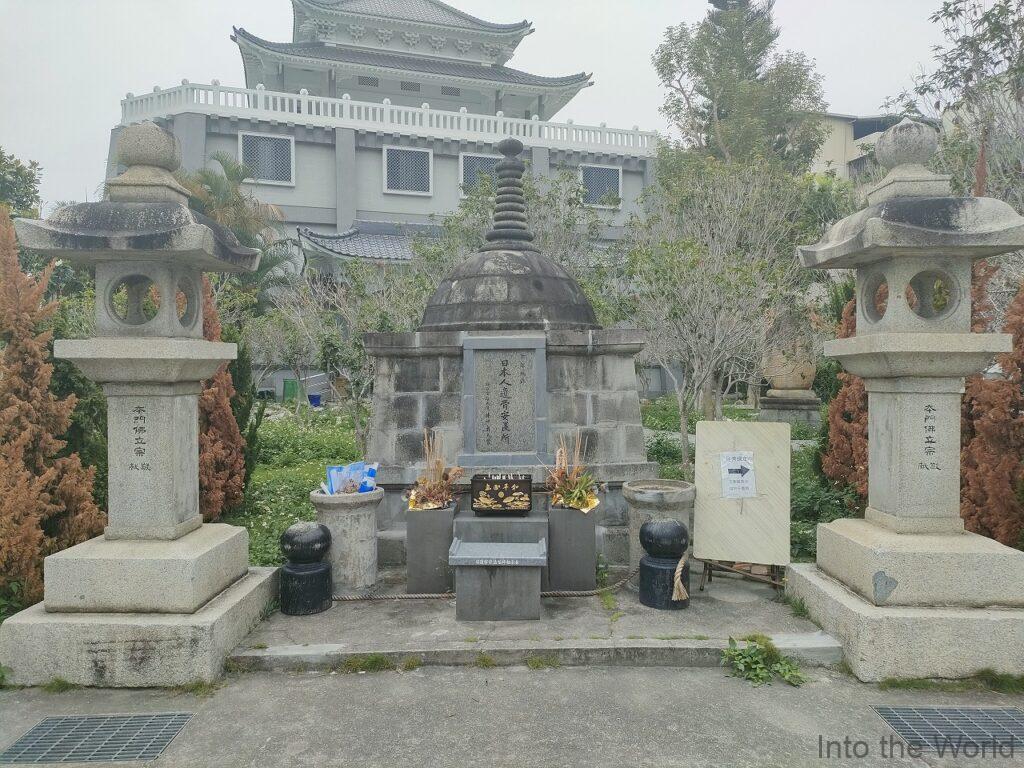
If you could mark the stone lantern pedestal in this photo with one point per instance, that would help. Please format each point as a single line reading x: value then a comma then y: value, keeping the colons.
x: 908, y: 591
x: 160, y: 599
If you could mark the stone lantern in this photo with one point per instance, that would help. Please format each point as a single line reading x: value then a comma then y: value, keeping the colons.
x: 908, y: 591
x: 160, y: 598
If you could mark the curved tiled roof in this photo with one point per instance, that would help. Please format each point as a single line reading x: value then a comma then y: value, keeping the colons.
x: 413, y: 64
x: 422, y: 11
x: 354, y: 243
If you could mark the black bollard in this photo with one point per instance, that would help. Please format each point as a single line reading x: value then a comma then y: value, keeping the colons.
x: 305, y: 581
x: 665, y: 542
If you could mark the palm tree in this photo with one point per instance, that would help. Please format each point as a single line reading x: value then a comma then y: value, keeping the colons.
x: 219, y: 195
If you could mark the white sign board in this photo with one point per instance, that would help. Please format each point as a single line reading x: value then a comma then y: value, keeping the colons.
x: 741, y: 511
x: 738, y: 475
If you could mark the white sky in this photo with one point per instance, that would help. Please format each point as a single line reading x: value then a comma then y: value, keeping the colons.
x: 66, y: 64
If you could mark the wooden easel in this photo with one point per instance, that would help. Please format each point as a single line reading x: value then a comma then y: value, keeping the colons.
x: 775, y: 575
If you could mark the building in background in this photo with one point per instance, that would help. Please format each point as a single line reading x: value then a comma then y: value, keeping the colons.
x: 370, y: 124
x: 848, y: 139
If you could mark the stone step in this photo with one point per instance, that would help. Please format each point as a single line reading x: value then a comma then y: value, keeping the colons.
x: 812, y: 649
x: 612, y: 545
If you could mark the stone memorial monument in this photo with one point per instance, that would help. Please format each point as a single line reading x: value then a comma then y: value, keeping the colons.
x: 508, y: 360
x: 160, y: 598
x: 908, y: 591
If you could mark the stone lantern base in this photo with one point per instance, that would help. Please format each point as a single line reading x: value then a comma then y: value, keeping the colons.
x: 135, y: 650
x: 905, y: 642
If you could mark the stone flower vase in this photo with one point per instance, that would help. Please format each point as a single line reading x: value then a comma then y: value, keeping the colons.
x: 429, y: 535
x: 650, y: 499
x: 572, y: 549
x: 352, y: 521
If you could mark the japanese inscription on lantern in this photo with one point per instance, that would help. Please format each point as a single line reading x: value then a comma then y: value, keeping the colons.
x: 505, y: 401
x: 138, y: 440
x: 930, y: 443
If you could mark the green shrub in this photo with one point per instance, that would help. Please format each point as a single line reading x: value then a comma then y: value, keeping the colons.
x: 826, y: 379
x: 813, y: 500
x: 663, y: 449
x: 323, y: 436
x: 277, y: 497
x: 663, y: 415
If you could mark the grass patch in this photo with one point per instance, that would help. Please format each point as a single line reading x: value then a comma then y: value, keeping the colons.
x: 796, y: 605
x: 201, y: 689
x: 635, y: 637
x: 760, y: 662
x: 60, y: 685
x: 542, y: 662
x: 471, y: 639
x: 813, y: 500
x: 609, y: 601
x: 682, y: 637
x: 258, y: 646
x: 616, y: 616
x: 371, y: 662
x: 986, y: 680
x: 483, y: 661
x: 410, y: 664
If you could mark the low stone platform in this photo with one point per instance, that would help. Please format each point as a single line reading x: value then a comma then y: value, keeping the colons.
x: 572, y: 631
x: 134, y: 650
x: 910, y: 641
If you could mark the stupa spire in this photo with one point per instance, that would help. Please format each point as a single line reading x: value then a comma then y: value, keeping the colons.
x: 510, y: 230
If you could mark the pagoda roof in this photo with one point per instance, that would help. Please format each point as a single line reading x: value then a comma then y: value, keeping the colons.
x: 416, y: 65
x: 432, y: 12
x: 357, y: 244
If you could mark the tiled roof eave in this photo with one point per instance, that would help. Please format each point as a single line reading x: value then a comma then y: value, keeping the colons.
x: 516, y: 29
x: 572, y: 83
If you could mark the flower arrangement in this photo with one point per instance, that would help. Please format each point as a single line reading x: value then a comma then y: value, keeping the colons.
x: 569, y: 482
x: 435, y: 488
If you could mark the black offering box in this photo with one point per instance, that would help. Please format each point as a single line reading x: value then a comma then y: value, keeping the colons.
x: 502, y: 494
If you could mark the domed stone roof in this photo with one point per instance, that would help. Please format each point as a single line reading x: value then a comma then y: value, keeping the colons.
x: 513, y: 290
x: 509, y: 284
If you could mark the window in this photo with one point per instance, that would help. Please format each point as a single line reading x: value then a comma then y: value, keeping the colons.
x: 369, y: 82
x: 271, y: 159
x: 602, y: 185
x: 407, y: 86
x: 450, y: 90
x: 474, y: 166
x: 408, y: 171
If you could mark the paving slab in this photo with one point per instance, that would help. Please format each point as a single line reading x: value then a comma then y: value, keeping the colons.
x: 575, y: 631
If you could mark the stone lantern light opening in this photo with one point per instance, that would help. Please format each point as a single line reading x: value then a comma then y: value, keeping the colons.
x: 160, y: 598
x: 906, y: 589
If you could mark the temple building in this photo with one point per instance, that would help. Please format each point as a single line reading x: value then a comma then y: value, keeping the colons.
x: 372, y: 122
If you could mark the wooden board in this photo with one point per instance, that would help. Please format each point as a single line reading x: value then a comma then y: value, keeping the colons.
x: 741, y: 512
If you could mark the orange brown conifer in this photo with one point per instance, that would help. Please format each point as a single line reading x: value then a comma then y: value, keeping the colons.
x: 46, y: 502
x: 221, y: 445
x: 845, y: 462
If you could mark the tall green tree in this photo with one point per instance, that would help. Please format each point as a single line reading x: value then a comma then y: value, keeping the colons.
x: 19, y: 185
x: 732, y: 94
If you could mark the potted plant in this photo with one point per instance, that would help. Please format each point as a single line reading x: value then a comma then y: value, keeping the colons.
x: 430, y: 522
x: 572, y: 529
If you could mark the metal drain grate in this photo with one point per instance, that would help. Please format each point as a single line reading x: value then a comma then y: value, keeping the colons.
x: 96, y: 738
x: 948, y: 728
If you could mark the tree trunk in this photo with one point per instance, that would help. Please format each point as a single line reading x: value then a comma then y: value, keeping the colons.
x: 707, y: 399
x: 684, y: 434
x: 719, y: 395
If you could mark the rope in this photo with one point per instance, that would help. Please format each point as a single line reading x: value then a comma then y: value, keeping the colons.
x: 373, y: 596
x: 678, y: 590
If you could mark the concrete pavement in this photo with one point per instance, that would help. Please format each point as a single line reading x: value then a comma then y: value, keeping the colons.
x: 509, y: 716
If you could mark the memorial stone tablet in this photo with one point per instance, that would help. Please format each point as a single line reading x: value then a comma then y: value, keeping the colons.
x: 504, y: 383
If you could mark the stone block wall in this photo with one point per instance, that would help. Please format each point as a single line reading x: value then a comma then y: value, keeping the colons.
x: 591, y: 386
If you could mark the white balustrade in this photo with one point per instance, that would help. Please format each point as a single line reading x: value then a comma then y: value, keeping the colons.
x: 304, y: 109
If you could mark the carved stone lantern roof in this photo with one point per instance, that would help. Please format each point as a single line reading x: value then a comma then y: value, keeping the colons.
x: 913, y: 213
x: 145, y: 218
